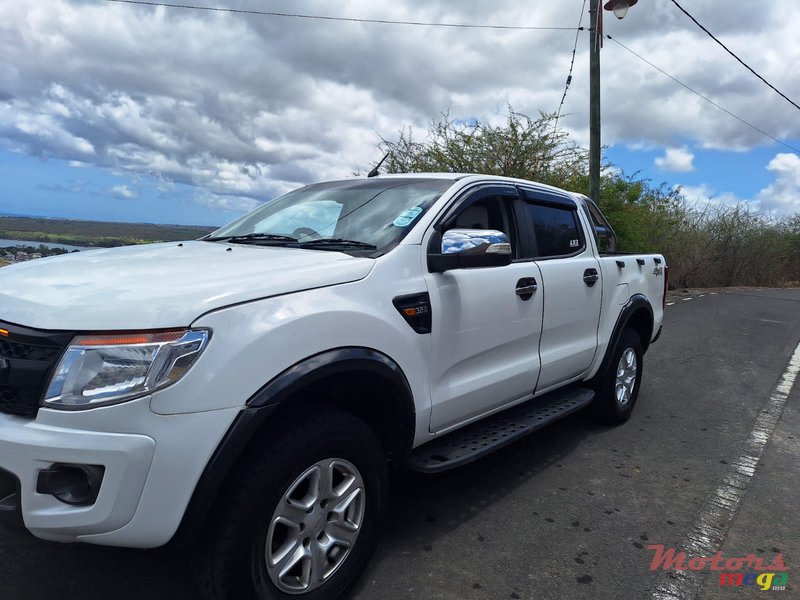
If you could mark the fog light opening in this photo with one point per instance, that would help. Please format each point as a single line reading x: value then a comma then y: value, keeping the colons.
x: 76, y: 485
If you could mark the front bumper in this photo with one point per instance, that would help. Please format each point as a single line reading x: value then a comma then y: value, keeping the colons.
x: 26, y: 447
x: 10, y: 508
x: 152, y: 464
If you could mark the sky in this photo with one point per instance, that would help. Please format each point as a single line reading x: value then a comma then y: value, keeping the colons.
x: 119, y: 112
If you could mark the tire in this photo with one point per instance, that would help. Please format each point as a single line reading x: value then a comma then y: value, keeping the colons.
x: 617, y: 389
x: 277, y: 479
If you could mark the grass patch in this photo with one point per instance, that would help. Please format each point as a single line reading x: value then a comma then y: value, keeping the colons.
x: 95, y: 233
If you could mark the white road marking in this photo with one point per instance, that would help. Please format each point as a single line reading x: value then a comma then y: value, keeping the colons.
x: 712, y: 293
x: 719, y: 508
x: 771, y: 321
x: 686, y: 299
x: 670, y: 303
x: 701, y: 295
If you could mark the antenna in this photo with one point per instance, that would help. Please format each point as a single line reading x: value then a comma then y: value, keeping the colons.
x: 374, y: 172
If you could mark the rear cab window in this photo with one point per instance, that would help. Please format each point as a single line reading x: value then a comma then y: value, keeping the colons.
x: 603, y: 233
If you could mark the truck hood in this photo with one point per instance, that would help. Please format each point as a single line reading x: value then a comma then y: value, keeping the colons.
x: 161, y: 285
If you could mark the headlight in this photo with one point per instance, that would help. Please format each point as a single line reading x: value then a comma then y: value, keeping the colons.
x: 107, y: 369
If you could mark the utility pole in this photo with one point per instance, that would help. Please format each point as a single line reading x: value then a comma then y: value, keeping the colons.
x: 594, y: 103
x: 620, y: 9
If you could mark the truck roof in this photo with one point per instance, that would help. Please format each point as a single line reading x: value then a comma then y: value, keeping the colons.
x: 459, y: 176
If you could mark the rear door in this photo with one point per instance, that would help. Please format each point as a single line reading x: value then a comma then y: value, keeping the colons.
x: 485, y: 334
x: 570, y: 283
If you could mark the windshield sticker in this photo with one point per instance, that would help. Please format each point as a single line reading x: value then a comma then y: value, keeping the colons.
x: 407, y: 217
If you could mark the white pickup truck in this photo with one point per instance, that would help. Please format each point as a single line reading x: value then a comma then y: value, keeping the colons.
x: 247, y: 393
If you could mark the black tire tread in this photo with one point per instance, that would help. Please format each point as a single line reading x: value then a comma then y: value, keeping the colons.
x: 223, y: 545
x: 604, y: 408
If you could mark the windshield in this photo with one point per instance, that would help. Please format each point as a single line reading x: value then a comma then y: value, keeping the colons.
x: 374, y: 212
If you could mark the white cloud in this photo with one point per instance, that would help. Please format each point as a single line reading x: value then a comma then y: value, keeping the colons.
x: 123, y: 192
x: 239, y: 204
x: 704, y: 196
x: 783, y: 195
x: 677, y: 160
x: 247, y: 107
x: 779, y: 198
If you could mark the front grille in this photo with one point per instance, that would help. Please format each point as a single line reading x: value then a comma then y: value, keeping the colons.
x: 28, y: 351
x: 27, y: 359
x: 10, y: 401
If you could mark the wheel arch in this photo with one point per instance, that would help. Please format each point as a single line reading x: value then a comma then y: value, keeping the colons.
x: 346, y: 378
x: 636, y: 314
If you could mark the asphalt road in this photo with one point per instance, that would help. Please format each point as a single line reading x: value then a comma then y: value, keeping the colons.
x: 569, y: 511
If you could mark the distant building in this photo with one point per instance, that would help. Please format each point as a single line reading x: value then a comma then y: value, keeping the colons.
x: 22, y: 257
x: 36, y: 255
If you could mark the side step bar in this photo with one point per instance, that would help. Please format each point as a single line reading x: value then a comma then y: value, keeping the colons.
x: 474, y: 441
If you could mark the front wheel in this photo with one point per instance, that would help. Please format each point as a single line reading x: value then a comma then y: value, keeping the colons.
x: 303, y: 514
x: 617, y: 389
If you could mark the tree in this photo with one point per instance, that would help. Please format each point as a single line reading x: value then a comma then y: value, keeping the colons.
x: 524, y: 147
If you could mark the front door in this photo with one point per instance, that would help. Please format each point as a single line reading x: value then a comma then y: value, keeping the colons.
x: 485, y: 337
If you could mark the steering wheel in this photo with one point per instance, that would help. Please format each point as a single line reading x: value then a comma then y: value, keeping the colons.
x: 307, y: 232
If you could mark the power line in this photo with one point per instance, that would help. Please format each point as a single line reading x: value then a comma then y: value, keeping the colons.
x: 706, y: 98
x: 347, y: 19
x: 729, y: 51
x: 571, y: 66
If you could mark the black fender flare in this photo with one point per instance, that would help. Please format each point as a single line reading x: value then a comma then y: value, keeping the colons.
x: 635, y: 304
x: 277, y: 392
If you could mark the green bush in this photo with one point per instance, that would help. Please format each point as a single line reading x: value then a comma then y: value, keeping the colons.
x: 714, y: 245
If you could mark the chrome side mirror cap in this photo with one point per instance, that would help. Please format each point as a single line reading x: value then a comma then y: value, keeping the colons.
x: 475, y: 241
x: 469, y: 248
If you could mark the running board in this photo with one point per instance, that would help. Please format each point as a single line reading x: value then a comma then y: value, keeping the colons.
x: 487, y: 435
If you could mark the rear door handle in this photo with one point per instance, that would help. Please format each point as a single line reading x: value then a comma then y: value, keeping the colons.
x: 526, y: 287
x: 590, y: 277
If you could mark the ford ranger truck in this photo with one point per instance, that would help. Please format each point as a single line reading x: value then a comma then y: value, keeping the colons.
x: 246, y: 394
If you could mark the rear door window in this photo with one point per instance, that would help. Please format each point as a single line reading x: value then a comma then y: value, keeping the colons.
x: 557, y: 231
x: 554, y: 222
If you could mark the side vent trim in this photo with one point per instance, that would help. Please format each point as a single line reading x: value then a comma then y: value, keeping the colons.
x: 416, y: 310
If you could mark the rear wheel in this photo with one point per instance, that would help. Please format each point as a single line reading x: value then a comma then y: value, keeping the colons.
x: 303, y: 513
x: 617, y: 389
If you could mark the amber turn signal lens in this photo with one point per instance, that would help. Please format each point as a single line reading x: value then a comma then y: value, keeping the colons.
x: 119, y: 339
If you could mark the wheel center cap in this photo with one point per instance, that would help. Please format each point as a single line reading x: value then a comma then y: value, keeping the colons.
x: 316, y: 521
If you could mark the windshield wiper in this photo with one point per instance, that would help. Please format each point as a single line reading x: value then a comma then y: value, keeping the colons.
x: 277, y: 239
x: 333, y: 243
x: 253, y: 237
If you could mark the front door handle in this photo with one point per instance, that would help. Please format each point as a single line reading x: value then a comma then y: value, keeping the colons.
x: 526, y: 287
x: 590, y: 277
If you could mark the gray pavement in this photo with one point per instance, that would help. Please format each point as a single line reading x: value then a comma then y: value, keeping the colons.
x: 567, y: 512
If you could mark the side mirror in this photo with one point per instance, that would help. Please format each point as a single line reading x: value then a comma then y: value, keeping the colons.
x: 468, y: 248
x: 604, y: 242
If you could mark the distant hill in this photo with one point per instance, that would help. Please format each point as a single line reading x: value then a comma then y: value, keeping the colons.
x: 95, y: 233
